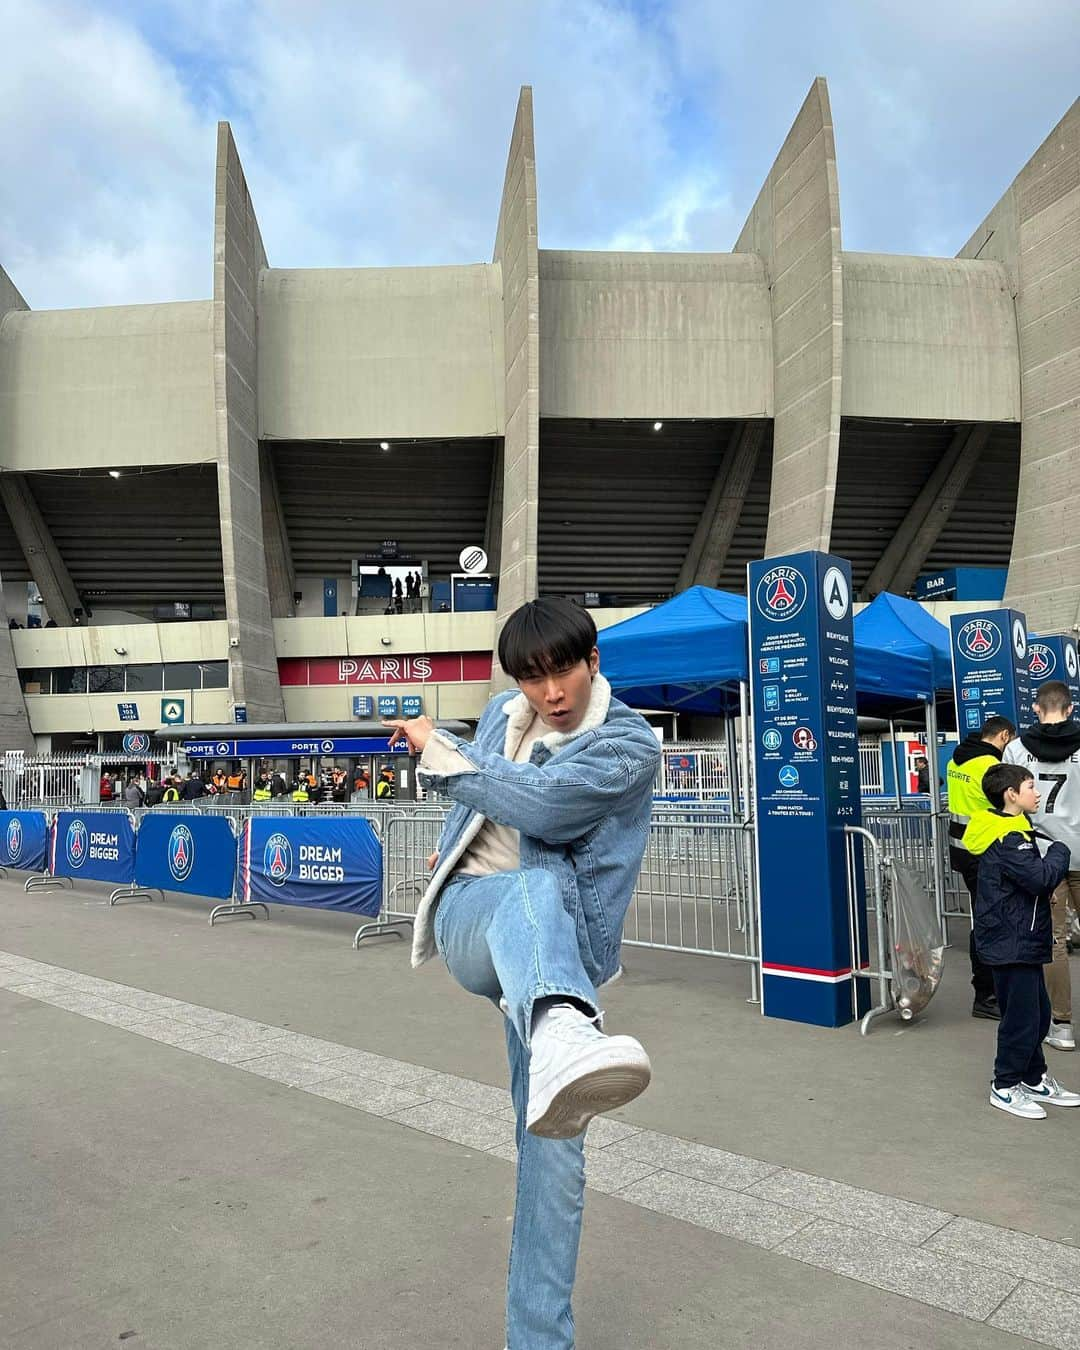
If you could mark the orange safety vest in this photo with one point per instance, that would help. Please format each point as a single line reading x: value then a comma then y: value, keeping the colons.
x: 235, y: 782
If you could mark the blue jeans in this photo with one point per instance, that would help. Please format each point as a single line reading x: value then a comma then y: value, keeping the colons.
x: 509, y: 936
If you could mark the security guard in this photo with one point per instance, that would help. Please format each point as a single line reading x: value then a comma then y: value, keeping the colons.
x: 262, y: 791
x: 300, y: 791
x: 976, y: 753
x: 384, y: 788
x: 236, y: 781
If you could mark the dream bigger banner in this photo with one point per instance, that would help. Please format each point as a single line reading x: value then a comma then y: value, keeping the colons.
x: 193, y: 854
x: 93, y: 845
x: 330, y: 864
x: 23, y: 840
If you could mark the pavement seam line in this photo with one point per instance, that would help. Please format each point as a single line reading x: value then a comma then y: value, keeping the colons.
x: 46, y: 975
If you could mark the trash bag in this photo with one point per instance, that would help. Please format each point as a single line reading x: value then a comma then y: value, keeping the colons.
x: 917, y: 942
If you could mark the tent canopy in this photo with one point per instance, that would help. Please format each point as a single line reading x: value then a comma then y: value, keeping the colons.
x: 902, y: 655
x: 688, y: 654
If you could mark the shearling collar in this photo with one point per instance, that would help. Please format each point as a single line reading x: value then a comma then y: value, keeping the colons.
x: 520, y: 714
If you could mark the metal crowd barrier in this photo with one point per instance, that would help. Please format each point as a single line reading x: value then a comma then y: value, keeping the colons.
x: 872, y: 960
x: 919, y: 839
x: 409, y: 838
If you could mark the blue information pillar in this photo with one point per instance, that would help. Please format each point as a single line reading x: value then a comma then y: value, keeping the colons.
x: 990, y: 668
x: 806, y: 784
x: 1054, y: 658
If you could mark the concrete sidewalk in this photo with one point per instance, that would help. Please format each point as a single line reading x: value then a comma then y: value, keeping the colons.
x: 150, y: 1193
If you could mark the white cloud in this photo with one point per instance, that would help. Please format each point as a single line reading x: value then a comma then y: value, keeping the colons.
x: 378, y: 133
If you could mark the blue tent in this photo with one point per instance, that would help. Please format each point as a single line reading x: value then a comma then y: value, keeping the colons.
x: 902, y: 655
x: 688, y: 654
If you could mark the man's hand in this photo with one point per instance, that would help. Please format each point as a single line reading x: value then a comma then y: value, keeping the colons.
x: 416, y: 730
x: 432, y: 861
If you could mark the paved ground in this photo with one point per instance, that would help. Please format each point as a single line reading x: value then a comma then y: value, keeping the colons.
x: 264, y: 1148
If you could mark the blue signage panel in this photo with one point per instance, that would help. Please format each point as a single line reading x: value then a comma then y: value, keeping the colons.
x: 282, y: 749
x: 136, y: 743
x: 329, y: 598
x: 412, y: 705
x: 93, y: 845
x: 128, y: 712
x: 328, y: 864
x: 806, y: 784
x: 23, y: 840
x: 363, y: 705
x: 239, y: 712
x: 1053, y: 658
x: 189, y: 853
x: 172, y: 711
x: 990, y: 668
x: 388, y: 705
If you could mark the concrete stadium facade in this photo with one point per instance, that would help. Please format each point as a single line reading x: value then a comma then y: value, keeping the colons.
x: 606, y: 424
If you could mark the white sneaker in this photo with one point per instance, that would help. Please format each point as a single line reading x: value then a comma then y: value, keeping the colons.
x: 1016, y: 1101
x: 1051, y: 1093
x: 1060, y: 1036
x: 576, y: 1072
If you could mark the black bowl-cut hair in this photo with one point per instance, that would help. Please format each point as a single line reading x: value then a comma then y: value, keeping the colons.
x: 545, y: 636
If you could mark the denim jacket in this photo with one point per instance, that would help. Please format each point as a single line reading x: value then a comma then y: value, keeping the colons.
x: 581, y: 805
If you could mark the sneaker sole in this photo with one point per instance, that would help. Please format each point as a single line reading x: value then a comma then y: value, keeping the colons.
x: 1013, y: 1111
x: 1057, y: 1045
x: 1054, y: 1101
x: 604, y: 1089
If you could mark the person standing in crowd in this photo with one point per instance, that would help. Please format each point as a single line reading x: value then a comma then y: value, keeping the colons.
x: 193, y: 788
x: 105, y: 788
x: 922, y: 775
x: 134, y: 796
x: 1051, y: 751
x: 970, y: 760
x: 220, y: 779
x: 154, y: 792
x: 384, y: 788
x: 362, y: 781
x: 552, y: 805
x: 399, y: 600
x: 1013, y: 936
x: 262, y: 793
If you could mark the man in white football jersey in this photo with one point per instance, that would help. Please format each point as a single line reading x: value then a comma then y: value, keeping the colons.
x: 1051, y: 750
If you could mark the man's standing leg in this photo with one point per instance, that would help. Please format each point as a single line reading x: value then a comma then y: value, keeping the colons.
x: 548, y: 1205
x: 1056, y: 972
x: 985, y: 1003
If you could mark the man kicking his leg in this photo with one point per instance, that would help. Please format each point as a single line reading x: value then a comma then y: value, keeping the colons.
x: 534, y: 873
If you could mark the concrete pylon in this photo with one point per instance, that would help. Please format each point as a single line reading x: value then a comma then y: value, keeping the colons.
x: 238, y: 258
x: 516, y: 252
x: 707, y: 555
x: 1034, y: 232
x: 43, y: 559
x: 795, y: 228
x: 15, y: 733
x: 280, y: 572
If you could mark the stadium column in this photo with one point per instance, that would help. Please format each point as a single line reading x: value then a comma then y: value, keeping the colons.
x: 707, y: 554
x: 899, y: 566
x: 795, y: 227
x: 238, y: 258
x: 43, y: 559
x: 516, y: 252
x: 1033, y: 231
x: 15, y: 731
x: 280, y: 573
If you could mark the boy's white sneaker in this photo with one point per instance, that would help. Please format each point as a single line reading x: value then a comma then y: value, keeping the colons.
x: 1051, y: 1093
x: 576, y: 1072
x: 1060, y: 1036
x: 1016, y: 1101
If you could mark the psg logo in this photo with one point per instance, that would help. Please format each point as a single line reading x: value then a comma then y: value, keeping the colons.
x: 1041, y: 661
x: 781, y: 593
x: 76, y: 843
x: 14, y: 838
x: 181, y: 853
x: 277, y: 859
x: 979, y: 640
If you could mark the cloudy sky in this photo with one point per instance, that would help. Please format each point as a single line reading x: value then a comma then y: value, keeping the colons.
x: 376, y: 134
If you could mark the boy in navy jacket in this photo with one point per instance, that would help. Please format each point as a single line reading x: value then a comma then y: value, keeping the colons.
x: 1014, y: 936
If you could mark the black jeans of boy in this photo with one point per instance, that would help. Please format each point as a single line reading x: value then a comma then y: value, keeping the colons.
x: 1025, y: 1020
